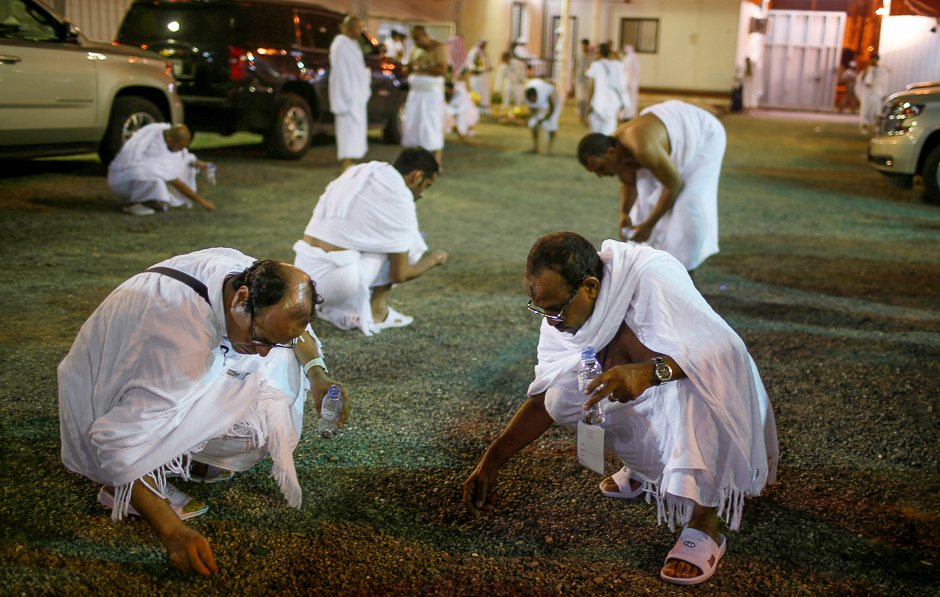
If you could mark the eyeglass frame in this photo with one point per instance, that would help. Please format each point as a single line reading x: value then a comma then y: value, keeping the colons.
x: 251, y: 330
x: 560, y: 316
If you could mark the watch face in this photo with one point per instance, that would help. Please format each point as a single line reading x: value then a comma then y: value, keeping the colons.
x: 663, y: 372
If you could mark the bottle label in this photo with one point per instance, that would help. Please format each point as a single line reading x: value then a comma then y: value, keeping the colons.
x: 591, y: 447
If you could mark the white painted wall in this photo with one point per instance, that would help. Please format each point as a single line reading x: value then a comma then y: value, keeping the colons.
x: 910, y: 50
x: 698, y: 39
x: 97, y: 19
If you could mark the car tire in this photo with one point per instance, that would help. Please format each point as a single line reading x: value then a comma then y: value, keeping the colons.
x: 292, y: 129
x: 931, y: 175
x: 391, y: 134
x: 128, y: 115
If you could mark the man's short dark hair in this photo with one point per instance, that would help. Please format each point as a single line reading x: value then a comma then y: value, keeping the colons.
x: 267, y: 284
x: 568, y: 254
x: 594, y: 145
x: 604, y: 50
x: 416, y: 158
x: 585, y: 42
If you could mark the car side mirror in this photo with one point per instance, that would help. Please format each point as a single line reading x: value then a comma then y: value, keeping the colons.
x: 70, y: 32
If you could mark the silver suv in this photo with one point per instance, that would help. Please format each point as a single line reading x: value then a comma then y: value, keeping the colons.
x: 908, y: 139
x: 63, y: 94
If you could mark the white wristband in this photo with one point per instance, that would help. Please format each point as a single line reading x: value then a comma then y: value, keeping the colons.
x: 317, y: 362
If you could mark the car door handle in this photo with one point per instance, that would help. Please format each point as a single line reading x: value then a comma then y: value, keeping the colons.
x: 7, y: 59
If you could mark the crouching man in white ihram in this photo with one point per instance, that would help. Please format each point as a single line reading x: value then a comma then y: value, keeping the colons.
x: 155, y: 171
x: 687, y: 413
x: 166, y: 378
x: 363, y: 237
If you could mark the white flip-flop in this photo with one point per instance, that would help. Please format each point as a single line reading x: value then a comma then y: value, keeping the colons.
x: 698, y: 549
x: 394, y: 319
x: 625, y: 492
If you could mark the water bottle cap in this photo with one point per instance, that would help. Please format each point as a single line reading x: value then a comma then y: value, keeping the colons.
x: 588, y: 351
x: 335, y: 391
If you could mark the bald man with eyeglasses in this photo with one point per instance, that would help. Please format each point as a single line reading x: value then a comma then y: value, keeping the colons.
x: 195, y: 368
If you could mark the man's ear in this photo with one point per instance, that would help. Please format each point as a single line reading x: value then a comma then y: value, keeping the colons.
x: 592, y: 285
x: 414, y: 178
x: 240, y: 299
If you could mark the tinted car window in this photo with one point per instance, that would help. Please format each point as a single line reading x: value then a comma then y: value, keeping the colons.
x: 199, y: 24
x: 317, y: 30
x: 19, y: 21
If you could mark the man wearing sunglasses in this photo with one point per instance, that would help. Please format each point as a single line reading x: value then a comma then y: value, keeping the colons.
x: 195, y: 368
x: 685, y: 408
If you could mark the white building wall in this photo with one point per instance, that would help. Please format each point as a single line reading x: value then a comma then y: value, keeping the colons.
x: 698, y: 39
x: 97, y: 19
x: 910, y: 50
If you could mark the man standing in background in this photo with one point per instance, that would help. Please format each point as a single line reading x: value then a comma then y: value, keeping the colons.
x: 479, y: 67
x: 350, y: 89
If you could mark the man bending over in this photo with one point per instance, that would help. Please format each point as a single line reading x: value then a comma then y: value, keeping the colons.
x: 363, y: 237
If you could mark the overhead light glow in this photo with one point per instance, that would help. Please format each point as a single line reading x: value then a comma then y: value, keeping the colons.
x: 173, y: 26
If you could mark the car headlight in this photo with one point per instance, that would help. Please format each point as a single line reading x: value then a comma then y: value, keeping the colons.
x: 899, y: 118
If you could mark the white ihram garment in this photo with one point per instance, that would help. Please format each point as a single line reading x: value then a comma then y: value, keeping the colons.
x: 631, y: 77
x: 870, y: 88
x: 610, y: 95
x: 350, y: 89
x: 151, y: 378
x: 688, y: 231
x: 370, y: 212
x: 423, y: 122
x: 540, y: 107
x: 462, y: 113
x: 141, y: 170
x: 710, y: 438
x: 478, y: 64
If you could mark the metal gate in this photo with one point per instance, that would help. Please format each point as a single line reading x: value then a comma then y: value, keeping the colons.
x: 801, y: 55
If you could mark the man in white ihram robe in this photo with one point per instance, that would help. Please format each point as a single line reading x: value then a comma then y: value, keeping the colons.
x: 425, y: 108
x: 685, y: 409
x: 479, y: 67
x: 544, y: 102
x: 668, y: 160
x: 608, y: 92
x: 350, y: 89
x: 363, y: 237
x: 871, y: 86
x: 631, y: 76
x: 168, y: 374
x: 155, y: 168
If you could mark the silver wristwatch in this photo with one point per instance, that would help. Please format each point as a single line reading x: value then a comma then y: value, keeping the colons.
x: 661, y: 371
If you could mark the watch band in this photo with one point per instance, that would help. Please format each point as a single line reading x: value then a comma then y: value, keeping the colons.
x: 317, y: 362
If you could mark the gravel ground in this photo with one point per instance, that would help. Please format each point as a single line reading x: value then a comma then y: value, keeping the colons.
x: 831, y: 277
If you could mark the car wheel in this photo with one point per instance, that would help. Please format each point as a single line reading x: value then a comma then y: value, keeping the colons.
x: 128, y: 115
x: 292, y: 130
x: 931, y: 174
x: 391, y: 134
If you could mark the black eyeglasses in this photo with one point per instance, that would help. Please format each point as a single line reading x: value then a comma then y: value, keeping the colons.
x: 258, y: 341
x: 557, y: 317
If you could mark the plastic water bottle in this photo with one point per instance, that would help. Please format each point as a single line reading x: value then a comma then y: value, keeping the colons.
x: 211, y: 169
x: 588, y: 370
x: 330, y: 412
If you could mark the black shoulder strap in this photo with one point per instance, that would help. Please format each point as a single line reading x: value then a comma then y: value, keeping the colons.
x: 186, y: 279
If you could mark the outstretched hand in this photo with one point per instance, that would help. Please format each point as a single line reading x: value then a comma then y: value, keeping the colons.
x: 479, y: 489
x: 622, y: 383
x: 189, y: 551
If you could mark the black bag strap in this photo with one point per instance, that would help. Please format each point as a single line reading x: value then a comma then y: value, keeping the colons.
x: 185, y: 278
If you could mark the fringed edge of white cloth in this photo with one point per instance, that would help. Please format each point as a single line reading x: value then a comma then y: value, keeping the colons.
x: 178, y: 466
x: 674, y: 510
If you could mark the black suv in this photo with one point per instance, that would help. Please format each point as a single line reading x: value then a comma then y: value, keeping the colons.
x: 259, y: 66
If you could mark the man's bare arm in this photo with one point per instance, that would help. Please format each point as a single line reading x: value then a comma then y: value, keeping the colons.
x: 183, y: 188
x: 526, y: 426
x: 188, y: 551
x: 648, y: 144
x: 401, y: 270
